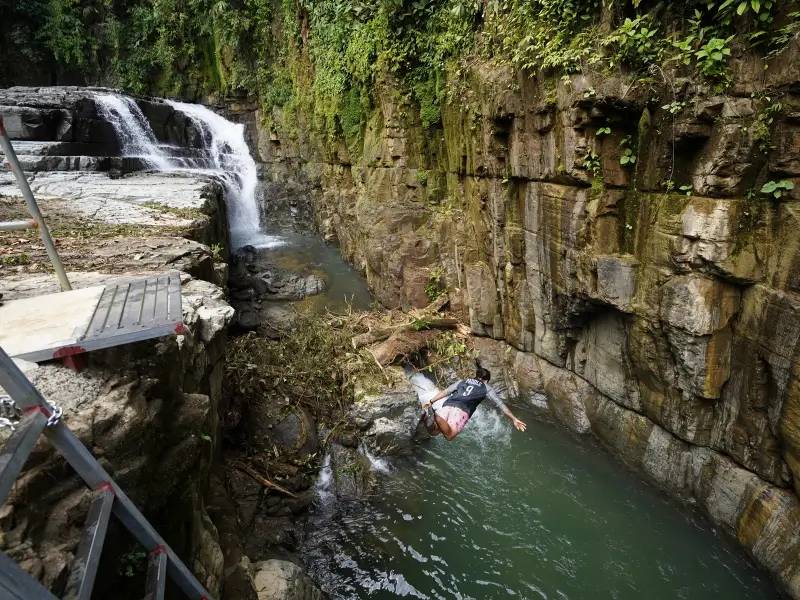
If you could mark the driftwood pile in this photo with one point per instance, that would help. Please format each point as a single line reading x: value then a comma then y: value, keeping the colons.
x: 393, y: 343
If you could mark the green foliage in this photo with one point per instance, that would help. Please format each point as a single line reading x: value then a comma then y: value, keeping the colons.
x: 544, y: 34
x: 433, y: 288
x: 760, y: 130
x: 15, y: 259
x: 628, y: 158
x: 674, y: 107
x: 334, y: 55
x: 637, y: 42
x: 592, y: 163
x: 133, y: 562
x: 777, y: 188
x: 603, y: 131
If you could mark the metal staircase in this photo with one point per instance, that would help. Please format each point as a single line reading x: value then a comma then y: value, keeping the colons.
x: 37, y: 416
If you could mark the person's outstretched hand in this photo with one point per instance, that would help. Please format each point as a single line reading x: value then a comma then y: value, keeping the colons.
x: 426, y: 406
x: 520, y: 425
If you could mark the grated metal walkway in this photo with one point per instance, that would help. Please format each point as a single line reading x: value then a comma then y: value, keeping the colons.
x: 69, y: 323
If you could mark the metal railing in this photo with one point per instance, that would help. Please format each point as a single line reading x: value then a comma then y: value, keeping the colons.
x: 33, y: 209
x: 39, y: 416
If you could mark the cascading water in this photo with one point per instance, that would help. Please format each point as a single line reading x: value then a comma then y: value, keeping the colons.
x: 231, y: 160
x: 135, y: 135
x: 225, y: 155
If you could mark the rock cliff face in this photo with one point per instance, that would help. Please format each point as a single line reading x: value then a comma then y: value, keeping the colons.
x: 654, y: 304
x: 148, y: 411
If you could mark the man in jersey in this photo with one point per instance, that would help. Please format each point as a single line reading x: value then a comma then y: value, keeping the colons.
x: 463, y: 397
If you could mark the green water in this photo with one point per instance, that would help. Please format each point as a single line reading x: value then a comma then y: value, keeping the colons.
x: 501, y: 514
x: 305, y: 255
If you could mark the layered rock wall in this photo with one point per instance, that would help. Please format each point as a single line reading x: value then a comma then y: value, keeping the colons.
x: 654, y: 304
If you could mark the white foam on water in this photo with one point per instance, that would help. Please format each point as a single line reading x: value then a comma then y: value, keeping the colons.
x: 225, y: 155
x: 379, y: 465
x: 324, y: 485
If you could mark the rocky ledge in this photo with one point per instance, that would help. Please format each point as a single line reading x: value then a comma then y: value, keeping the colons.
x: 150, y: 411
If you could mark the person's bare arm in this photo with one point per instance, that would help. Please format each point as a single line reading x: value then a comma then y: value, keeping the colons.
x: 443, y: 394
x: 492, y: 395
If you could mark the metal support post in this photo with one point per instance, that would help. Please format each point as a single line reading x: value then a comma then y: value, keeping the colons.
x: 25, y: 394
x: 33, y: 208
x: 12, y: 225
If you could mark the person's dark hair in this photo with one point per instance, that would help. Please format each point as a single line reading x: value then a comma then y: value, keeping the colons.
x: 481, y: 373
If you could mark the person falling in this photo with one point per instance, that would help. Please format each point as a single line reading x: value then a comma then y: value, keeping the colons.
x: 463, y: 397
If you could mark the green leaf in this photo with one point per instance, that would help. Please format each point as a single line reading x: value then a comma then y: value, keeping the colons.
x: 741, y: 8
x: 769, y: 187
x: 722, y: 7
x: 777, y: 194
x: 788, y: 185
x: 756, y: 5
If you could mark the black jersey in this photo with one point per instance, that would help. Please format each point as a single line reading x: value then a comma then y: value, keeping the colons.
x: 467, y: 394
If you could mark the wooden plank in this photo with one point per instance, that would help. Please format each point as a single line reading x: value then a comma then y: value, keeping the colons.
x: 162, y: 299
x: 91, y: 318
x: 41, y: 325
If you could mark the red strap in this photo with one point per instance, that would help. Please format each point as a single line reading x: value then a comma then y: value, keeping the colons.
x: 106, y: 486
x: 158, y: 549
x: 38, y: 408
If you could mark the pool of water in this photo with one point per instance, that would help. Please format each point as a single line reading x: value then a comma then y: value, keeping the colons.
x: 541, y: 515
x: 307, y: 254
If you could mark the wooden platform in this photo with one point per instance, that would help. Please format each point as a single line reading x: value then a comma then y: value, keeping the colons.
x: 60, y: 325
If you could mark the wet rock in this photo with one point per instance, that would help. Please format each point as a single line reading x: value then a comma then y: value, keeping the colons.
x: 388, y: 419
x: 351, y: 471
x: 283, y: 580
x: 272, y: 422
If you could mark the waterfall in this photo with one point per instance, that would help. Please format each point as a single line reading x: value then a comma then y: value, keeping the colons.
x: 225, y: 155
x: 135, y: 136
x: 230, y: 158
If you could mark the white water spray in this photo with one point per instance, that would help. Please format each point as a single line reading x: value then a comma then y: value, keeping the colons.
x: 136, y: 138
x: 379, y: 465
x: 225, y: 155
x: 231, y: 158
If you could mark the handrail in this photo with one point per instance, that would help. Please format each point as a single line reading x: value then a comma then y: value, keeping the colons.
x: 33, y: 208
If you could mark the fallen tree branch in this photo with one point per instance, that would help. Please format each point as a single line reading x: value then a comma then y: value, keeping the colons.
x: 266, y: 482
x: 384, y: 333
x: 402, y: 344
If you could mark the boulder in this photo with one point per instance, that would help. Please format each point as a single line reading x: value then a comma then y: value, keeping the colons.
x: 283, y: 580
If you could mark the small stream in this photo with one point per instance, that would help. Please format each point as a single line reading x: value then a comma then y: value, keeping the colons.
x: 541, y: 515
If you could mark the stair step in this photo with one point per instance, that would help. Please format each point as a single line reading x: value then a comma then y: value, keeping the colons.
x: 17, y: 584
x: 18, y: 448
x: 156, y: 575
x: 34, y: 164
x: 87, y: 559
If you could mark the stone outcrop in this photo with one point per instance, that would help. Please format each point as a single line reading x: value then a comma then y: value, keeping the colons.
x: 282, y: 580
x: 149, y: 412
x: 653, y: 305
